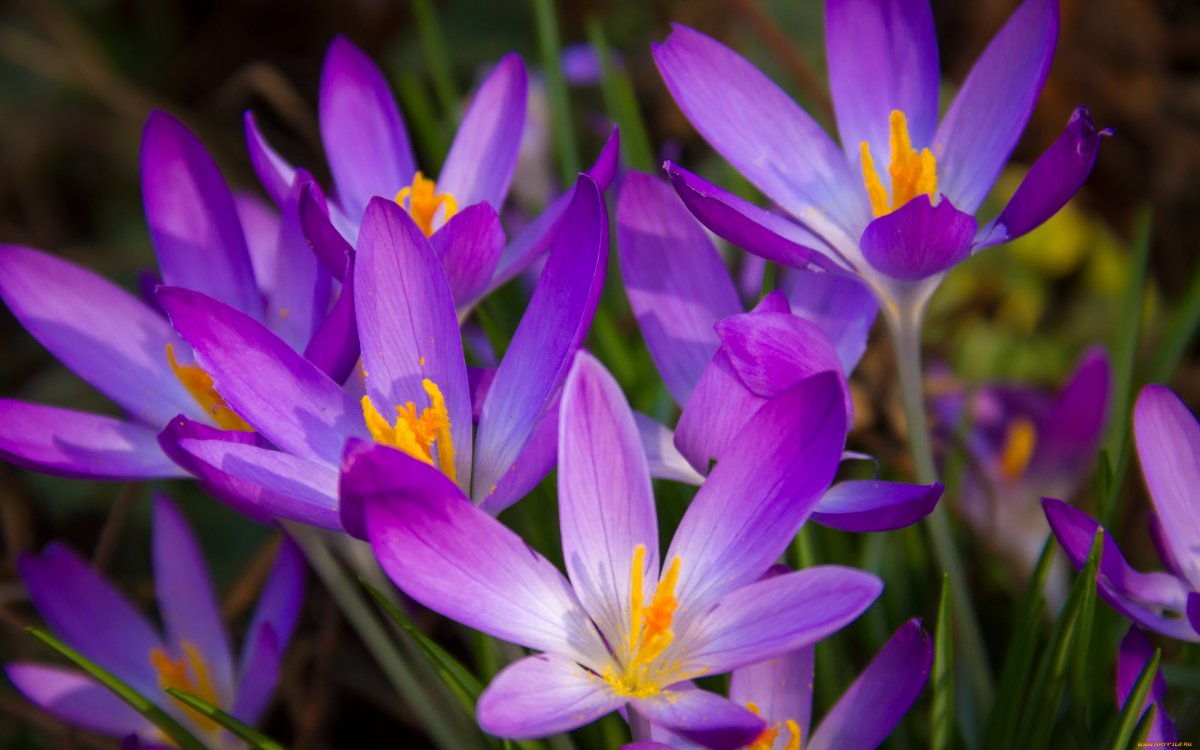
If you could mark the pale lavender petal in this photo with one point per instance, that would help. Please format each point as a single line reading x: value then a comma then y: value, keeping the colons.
x: 259, y: 674
x: 103, y: 333
x: 480, y: 164
x: 918, y: 239
x: 192, y: 219
x: 469, y: 246
x: 553, y: 327
x: 663, y: 459
x: 302, y: 288
x: 1134, y: 654
x: 457, y: 560
x: 882, y: 56
x: 77, y: 699
x: 702, y: 717
x: 273, y: 388
x: 80, y: 445
x: 533, y: 463
x: 361, y: 128
x: 841, y: 306
x: 677, y: 284
x: 407, y: 324
x: 260, y: 224
x: 872, y: 707
x: 334, y: 348
x: 543, y: 695
x: 982, y: 126
x: 781, y: 688
x: 869, y: 505
x: 273, y: 171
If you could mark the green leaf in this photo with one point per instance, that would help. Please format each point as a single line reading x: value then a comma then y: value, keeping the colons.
x: 161, y: 719
x: 621, y: 102
x: 941, y: 718
x: 433, y: 46
x: 556, y: 90
x: 241, y: 730
x: 1181, y: 331
x: 1128, y: 721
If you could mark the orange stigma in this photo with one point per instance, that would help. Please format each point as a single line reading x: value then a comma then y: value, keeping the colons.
x: 416, y: 434
x: 200, y: 385
x: 650, y: 633
x: 1019, y: 442
x: 188, y: 674
x: 423, y: 202
x: 911, y: 173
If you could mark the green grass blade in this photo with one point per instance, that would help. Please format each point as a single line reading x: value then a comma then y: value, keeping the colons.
x: 1181, y: 331
x: 161, y: 719
x: 941, y: 717
x: 432, y: 140
x: 1128, y: 721
x: 621, y: 102
x: 239, y: 729
x: 556, y: 90
x: 433, y: 47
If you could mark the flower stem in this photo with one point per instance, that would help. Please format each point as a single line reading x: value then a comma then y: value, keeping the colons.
x: 639, y: 726
x: 906, y: 335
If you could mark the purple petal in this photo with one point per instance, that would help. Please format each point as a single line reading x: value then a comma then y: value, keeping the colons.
x: 326, y: 241
x: 273, y: 171
x: 918, y: 239
x: 780, y: 687
x: 1168, y: 445
x: 302, y: 288
x: 663, y: 459
x: 77, y: 699
x: 982, y: 126
x: 760, y: 131
x: 841, y: 306
x: 771, y: 617
x: 760, y: 492
x: 872, y: 707
x: 1132, y: 658
x: 278, y: 392
x: 100, y: 331
x: 80, y: 445
x: 555, y: 322
x: 1052, y: 180
x: 751, y: 228
x: 1070, y: 431
x: 533, y: 463
x: 702, y: 717
x: 259, y: 675
x: 334, y: 348
x: 605, y: 503
x: 407, y: 323
x: 281, y: 597
x: 543, y: 695
x: 480, y: 164
x: 365, y: 141
x: 860, y: 506
x: 260, y: 224
x: 469, y: 246
x: 882, y: 56
x: 678, y: 286
x: 91, y: 616
x: 459, y: 561
x: 192, y: 219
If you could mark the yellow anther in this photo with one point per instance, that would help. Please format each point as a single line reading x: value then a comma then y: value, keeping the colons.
x: 188, y: 674
x: 423, y: 202
x: 200, y: 385
x: 793, y: 742
x: 1019, y: 442
x: 416, y: 434
x: 912, y: 173
x: 650, y: 633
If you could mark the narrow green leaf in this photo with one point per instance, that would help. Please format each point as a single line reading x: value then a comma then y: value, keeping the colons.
x: 556, y: 90
x: 1081, y: 689
x: 621, y: 102
x: 241, y: 730
x: 941, y: 717
x: 161, y: 719
x: 1132, y: 710
x: 433, y: 46
x: 432, y: 139
x: 1143, y: 728
x: 1181, y: 331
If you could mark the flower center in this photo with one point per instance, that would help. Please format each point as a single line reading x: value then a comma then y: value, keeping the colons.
x: 422, y: 202
x: 911, y: 173
x: 414, y: 433
x: 766, y: 740
x: 650, y: 634
x: 200, y: 385
x: 1019, y: 442
x: 188, y: 674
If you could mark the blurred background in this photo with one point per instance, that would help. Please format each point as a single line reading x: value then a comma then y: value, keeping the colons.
x: 78, y: 77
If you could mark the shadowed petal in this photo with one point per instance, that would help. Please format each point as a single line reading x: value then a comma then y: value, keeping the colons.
x: 281, y: 596
x: 260, y: 224
x: 327, y: 243
x: 469, y: 246
x: 302, y: 288
x: 841, y: 306
x: 663, y: 459
x: 1070, y: 431
x: 259, y: 675
x: 334, y: 348
x: 273, y: 171
x: 875, y: 506
x: 1132, y: 658
x: 702, y: 717
x: 543, y: 695
x: 77, y: 699
x: 918, y: 239
x: 533, y: 463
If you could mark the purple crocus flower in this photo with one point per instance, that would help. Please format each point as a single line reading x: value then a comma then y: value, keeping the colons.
x: 721, y: 363
x: 1135, y: 653
x: 411, y: 354
x: 369, y: 155
x: 840, y: 215
x: 1168, y: 446
x: 1023, y: 444
x: 193, y: 655
x: 124, y: 347
x: 620, y: 631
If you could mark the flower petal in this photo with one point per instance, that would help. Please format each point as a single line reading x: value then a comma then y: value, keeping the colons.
x: 780, y: 687
x: 758, y: 128
x: 533, y: 463
x: 407, y: 324
x: 1168, y: 445
x: 80, y: 445
x: 702, y: 717
x: 663, y: 459
x: 77, y: 699
x: 459, y: 561
x: 191, y: 216
x: 481, y: 160
x: 100, y: 331
x: 1070, y: 431
x: 677, y: 284
x: 918, y: 239
x: 361, y: 128
x: 760, y: 492
x: 469, y: 246
x: 1132, y: 658
x: 316, y: 221
x: 278, y: 392
x: 281, y: 597
x: 334, y: 348
x: 882, y: 56
x: 542, y: 695
x: 872, y: 707
x: 554, y: 325
x: 841, y: 306
x: 259, y: 674
x: 273, y: 171
x: 867, y: 505
x: 260, y: 224
x: 982, y: 126
x: 302, y: 288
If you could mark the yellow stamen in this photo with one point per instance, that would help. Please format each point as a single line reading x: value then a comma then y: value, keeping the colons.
x: 766, y: 740
x: 414, y: 433
x: 793, y: 735
x: 650, y: 633
x: 1019, y: 442
x: 200, y: 385
x: 188, y: 674
x: 911, y: 173
x: 424, y: 202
